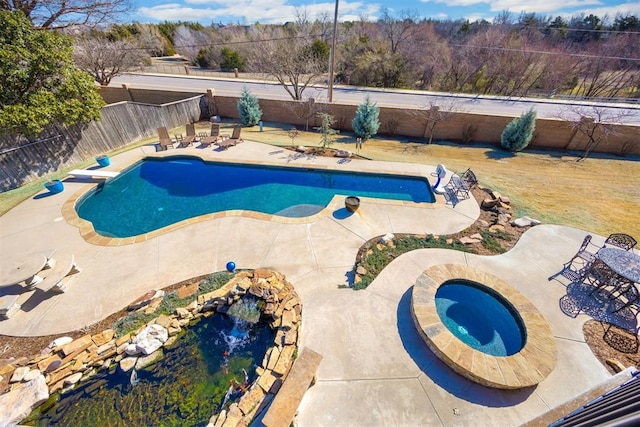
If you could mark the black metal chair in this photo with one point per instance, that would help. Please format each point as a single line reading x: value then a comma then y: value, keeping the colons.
x: 583, y: 252
x: 577, y: 273
x: 600, y: 275
x: 620, y: 240
x: 630, y: 293
x: 460, y: 186
x: 469, y: 178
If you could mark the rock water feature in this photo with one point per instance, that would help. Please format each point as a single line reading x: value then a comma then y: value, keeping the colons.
x: 214, y: 373
x: 185, y: 387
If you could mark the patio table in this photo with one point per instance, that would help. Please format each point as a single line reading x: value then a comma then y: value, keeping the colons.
x: 25, y: 269
x: 623, y: 263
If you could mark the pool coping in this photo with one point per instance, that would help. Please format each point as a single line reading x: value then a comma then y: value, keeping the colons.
x: 527, y: 368
x: 89, y: 234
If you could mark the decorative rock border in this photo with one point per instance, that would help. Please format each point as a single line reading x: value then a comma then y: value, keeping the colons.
x: 71, y: 361
x: 526, y: 368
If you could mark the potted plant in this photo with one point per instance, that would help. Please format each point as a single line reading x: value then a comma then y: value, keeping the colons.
x: 54, y: 185
x: 103, y: 160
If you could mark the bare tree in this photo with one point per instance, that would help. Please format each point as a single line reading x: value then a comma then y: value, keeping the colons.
x: 104, y: 59
x: 398, y: 31
x: 304, y: 110
x: 603, y: 76
x: 292, y: 61
x: 150, y: 39
x: 595, y: 123
x: 189, y: 42
x: 65, y: 13
x: 431, y: 115
x: 428, y: 57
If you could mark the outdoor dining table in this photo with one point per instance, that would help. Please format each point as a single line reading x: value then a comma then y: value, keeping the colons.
x: 626, y: 264
x: 623, y: 263
x: 24, y: 269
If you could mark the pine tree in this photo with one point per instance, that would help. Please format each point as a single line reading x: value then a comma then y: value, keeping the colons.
x: 326, y: 129
x: 365, y: 123
x: 518, y: 133
x: 248, y: 108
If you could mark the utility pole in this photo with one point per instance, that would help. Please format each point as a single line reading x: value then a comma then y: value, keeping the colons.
x: 332, y: 53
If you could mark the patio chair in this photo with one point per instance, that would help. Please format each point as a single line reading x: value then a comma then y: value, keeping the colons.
x: 583, y: 252
x: 577, y: 273
x: 460, y: 186
x: 620, y: 240
x: 233, y: 140
x: 469, y: 178
x: 191, y: 136
x: 214, y: 136
x: 600, y: 276
x: 165, y: 139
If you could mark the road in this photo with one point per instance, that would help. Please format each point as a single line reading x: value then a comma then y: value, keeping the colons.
x: 491, y: 105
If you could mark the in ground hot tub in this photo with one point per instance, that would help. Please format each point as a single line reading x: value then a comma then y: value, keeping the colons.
x: 480, y: 317
x: 482, y: 328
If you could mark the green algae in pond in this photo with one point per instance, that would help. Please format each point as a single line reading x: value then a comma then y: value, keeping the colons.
x: 185, y: 388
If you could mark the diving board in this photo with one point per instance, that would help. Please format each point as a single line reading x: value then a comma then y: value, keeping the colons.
x: 93, y: 173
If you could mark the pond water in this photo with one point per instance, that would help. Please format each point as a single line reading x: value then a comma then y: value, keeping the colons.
x: 203, y: 372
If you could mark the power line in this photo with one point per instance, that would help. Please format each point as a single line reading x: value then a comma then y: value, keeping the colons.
x: 584, y: 30
x: 542, y: 52
x: 250, y: 41
x: 496, y: 48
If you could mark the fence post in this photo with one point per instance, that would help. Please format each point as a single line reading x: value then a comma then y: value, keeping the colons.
x: 127, y: 91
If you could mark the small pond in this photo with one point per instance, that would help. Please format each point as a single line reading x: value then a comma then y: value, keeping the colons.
x: 204, y: 371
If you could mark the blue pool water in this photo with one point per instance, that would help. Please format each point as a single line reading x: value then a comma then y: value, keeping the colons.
x: 480, y: 318
x: 155, y: 193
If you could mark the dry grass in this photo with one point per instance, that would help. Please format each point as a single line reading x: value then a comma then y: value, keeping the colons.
x: 600, y: 194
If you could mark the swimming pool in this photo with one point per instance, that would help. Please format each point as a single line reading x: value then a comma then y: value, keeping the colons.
x: 157, y: 192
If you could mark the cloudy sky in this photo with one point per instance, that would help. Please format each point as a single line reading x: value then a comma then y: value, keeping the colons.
x: 280, y: 11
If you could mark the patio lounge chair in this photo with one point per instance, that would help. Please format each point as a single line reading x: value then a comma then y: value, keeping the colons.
x: 214, y: 137
x: 620, y: 240
x: 191, y: 136
x: 165, y: 139
x: 233, y: 140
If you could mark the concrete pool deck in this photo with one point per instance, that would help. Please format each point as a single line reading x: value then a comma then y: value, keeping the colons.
x: 376, y: 370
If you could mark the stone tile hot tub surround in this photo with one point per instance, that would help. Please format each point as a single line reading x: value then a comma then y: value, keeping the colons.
x: 532, y: 364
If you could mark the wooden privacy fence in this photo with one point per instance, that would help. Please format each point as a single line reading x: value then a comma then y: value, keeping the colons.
x: 22, y: 161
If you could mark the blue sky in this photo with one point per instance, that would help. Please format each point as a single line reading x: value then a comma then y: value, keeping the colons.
x: 280, y: 11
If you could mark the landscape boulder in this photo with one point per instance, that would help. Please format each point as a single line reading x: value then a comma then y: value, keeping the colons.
x: 18, y: 403
x: 150, y: 339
